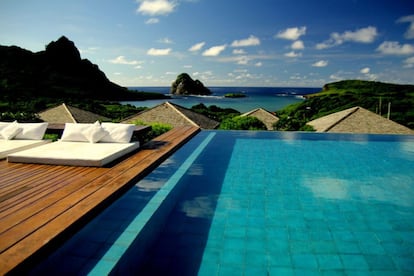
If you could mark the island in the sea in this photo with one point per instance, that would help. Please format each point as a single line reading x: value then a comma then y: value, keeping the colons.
x: 185, y: 85
x: 235, y: 95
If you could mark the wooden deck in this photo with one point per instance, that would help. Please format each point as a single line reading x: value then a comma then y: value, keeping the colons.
x: 42, y: 205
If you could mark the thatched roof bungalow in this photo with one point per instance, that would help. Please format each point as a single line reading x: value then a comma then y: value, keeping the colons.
x: 358, y: 120
x: 268, y: 118
x: 174, y: 115
x: 68, y: 114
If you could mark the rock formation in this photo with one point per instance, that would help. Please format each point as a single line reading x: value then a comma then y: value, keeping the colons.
x: 185, y: 85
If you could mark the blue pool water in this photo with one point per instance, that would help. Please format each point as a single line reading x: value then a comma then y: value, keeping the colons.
x: 259, y: 203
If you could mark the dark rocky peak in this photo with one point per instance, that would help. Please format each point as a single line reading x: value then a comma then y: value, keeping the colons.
x: 185, y: 85
x: 63, y: 52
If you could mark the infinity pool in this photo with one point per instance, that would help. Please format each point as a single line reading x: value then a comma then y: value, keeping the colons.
x: 259, y: 203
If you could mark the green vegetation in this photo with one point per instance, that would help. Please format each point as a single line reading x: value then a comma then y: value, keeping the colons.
x: 25, y: 111
x: 117, y: 111
x: 229, y: 118
x: 338, y: 96
x: 214, y: 112
x: 31, y: 82
x: 235, y: 95
x: 242, y: 123
x: 156, y: 129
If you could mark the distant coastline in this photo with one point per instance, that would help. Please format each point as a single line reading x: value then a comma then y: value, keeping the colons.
x: 269, y: 98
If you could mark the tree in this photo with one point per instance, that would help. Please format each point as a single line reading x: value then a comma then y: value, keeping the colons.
x: 242, y: 123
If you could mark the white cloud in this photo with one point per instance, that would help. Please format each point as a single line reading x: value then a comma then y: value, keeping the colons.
x: 159, y: 52
x: 298, y: 45
x: 239, y: 52
x: 293, y: 54
x: 122, y: 60
x: 214, y: 51
x: 250, y: 41
x: 365, y: 70
x: 90, y: 50
x: 152, y: 20
x: 394, y: 48
x: 335, y: 77
x: 165, y: 40
x: 409, y: 62
x: 292, y: 33
x: 321, y: 63
x: 324, y: 45
x: 364, y: 35
x: 156, y: 7
x: 197, y: 47
x: 258, y: 64
x: 367, y: 75
x: 409, y: 34
x: 243, y: 60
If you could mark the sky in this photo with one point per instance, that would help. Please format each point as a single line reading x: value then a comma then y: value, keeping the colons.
x: 272, y: 43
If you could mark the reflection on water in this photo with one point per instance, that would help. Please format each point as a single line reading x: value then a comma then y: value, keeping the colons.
x: 329, y: 188
x: 407, y: 149
x: 200, y: 207
x: 396, y: 189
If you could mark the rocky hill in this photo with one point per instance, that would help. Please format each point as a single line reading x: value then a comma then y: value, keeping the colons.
x: 374, y: 96
x: 57, y: 72
x: 185, y: 85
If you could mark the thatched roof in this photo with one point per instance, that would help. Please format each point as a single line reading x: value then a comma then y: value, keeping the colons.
x: 263, y: 115
x: 174, y: 115
x: 358, y: 120
x: 68, y: 114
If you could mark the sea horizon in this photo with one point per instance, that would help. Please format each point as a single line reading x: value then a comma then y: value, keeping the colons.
x: 269, y: 98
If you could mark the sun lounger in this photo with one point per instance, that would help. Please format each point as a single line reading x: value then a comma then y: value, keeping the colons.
x: 10, y: 146
x: 16, y: 136
x: 74, y: 153
x: 92, y: 145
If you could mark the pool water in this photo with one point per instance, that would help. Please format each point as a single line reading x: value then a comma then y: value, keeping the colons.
x: 262, y: 203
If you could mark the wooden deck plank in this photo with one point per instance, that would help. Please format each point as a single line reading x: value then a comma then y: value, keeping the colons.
x: 31, y: 194
x: 39, y: 178
x: 48, y: 206
x: 58, y: 202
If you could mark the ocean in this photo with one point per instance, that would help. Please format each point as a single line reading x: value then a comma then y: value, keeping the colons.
x: 269, y: 98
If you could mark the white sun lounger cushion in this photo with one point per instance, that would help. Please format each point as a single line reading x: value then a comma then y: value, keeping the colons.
x: 10, y: 146
x: 75, y: 132
x: 105, y: 132
x: 95, y: 132
x: 118, y: 133
x: 74, y: 153
x: 32, y: 131
x: 10, y: 130
x: 24, y: 131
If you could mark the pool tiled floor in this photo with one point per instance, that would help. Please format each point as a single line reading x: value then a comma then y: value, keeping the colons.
x: 303, y: 208
x: 254, y: 204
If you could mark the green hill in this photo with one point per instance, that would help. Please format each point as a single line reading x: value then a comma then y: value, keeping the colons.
x: 337, y: 96
x: 30, y: 82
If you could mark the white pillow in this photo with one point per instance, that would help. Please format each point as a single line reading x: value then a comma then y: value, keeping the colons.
x: 118, y: 133
x: 74, y: 132
x: 32, y: 131
x: 10, y: 131
x: 3, y: 125
x: 95, y: 132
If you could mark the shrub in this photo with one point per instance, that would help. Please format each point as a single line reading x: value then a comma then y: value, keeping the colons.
x: 242, y: 123
x: 156, y: 130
